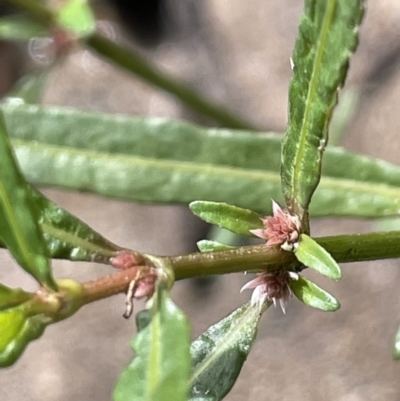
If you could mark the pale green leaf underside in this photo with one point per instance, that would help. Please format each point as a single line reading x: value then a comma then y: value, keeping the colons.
x: 220, y: 352
x: 312, y: 255
x: 161, y: 367
x: 166, y: 161
x: 232, y: 218
x: 328, y: 34
x: 310, y: 294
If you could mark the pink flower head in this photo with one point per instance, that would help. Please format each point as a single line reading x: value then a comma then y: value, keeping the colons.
x: 280, y: 229
x: 272, y: 287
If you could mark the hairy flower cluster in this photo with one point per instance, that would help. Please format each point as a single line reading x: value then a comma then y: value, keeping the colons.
x: 280, y: 229
x: 272, y: 287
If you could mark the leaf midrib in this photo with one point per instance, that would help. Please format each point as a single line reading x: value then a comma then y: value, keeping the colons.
x: 333, y: 182
x: 219, y: 348
x: 311, y: 94
x: 75, y: 241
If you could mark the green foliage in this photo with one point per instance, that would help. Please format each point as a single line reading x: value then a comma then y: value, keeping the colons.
x: 161, y: 367
x: 77, y: 17
x: 170, y: 161
x: 17, y: 329
x: 24, y: 317
x: 328, y: 34
x: 220, y: 352
x: 18, y: 28
x: 232, y: 218
x: 66, y: 236
x: 19, y: 228
x: 11, y: 297
x: 159, y: 160
x: 310, y: 294
x: 313, y: 255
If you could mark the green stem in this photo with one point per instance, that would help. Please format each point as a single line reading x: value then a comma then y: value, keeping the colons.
x: 135, y: 64
x: 362, y: 247
x: 245, y: 258
x: 343, y: 248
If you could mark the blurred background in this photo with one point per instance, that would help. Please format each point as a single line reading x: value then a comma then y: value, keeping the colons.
x: 236, y: 53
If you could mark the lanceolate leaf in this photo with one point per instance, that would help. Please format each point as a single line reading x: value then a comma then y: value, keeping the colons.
x: 67, y: 237
x: 157, y: 160
x: 310, y: 294
x: 206, y: 245
x: 161, y: 368
x: 313, y: 255
x: 19, y: 227
x: 235, y: 219
x: 219, y: 353
x: 328, y: 35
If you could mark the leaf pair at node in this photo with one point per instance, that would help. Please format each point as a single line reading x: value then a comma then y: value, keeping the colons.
x: 306, y: 250
x: 314, y: 256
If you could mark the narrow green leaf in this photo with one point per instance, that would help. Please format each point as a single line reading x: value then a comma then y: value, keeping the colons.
x: 161, y: 368
x: 206, y: 245
x: 328, y: 34
x: 172, y: 161
x: 396, y: 346
x: 19, y: 28
x: 67, y: 237
x: 77, y: 16
x: 19, y: 228
x: 10, y: 297
x: 313, y: 255
x: 310, y: 294
x: 232, y: 218
x: 220, y: 352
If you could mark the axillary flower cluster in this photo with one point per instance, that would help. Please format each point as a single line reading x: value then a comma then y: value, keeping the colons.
x: 281, y: 229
